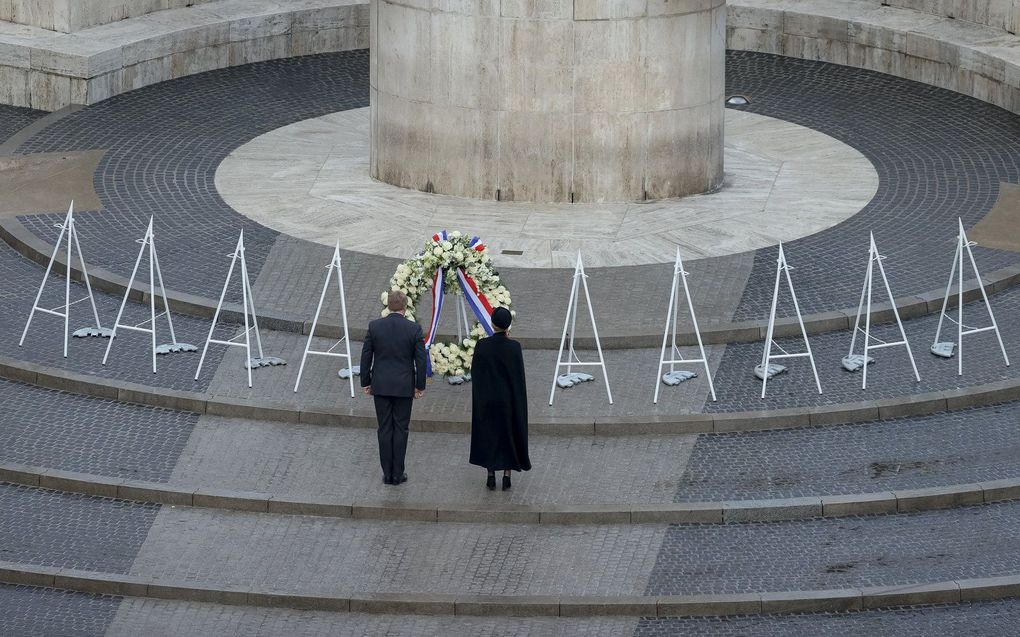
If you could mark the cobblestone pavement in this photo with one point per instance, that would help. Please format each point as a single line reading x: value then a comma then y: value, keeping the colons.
x: 990, y: 619
x: 31, y: 612
x: 941, y: 449
x: 36, y: 612
x: 939, y: 155
x: 53, y: 429
x: 840, y: 552
x: 51, y: 528
x: 14, y: 118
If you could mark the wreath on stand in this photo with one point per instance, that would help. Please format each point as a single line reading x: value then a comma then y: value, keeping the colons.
x: 460, y: 264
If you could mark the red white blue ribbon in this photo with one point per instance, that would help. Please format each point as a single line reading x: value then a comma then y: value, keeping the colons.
x: 479, y: 305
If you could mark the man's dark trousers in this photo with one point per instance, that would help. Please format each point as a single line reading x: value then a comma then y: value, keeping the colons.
x: 394, y: 414
x: 393, y: 363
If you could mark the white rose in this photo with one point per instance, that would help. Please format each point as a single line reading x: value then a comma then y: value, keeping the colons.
x: 437, y: 251
x: 446, y: 245
x: 384, y: 297
x: 385, y: 312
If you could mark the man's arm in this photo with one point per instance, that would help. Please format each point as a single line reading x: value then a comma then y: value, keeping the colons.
x: 366, y: 361
x: 419, y: 361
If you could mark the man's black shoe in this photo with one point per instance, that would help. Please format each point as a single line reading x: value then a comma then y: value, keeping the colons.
x: 402, y: 479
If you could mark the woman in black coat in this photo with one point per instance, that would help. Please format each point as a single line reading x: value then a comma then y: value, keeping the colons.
x: 499, y: 404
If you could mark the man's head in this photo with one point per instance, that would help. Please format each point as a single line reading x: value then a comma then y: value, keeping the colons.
x: 396, y: 301
x: 501, y: 319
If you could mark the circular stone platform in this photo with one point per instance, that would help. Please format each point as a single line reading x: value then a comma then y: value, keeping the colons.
x: 783, y: 181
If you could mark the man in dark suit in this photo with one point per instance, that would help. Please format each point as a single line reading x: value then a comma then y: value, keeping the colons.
x: 393, y: 371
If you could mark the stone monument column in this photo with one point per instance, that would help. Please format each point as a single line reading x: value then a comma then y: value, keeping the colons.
x: 548, y: 100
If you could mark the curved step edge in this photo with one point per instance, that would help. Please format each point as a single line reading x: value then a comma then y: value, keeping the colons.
x: 15, y: 234
x: 722, y: 512
x: 949, y: 592
x: 723, y: 422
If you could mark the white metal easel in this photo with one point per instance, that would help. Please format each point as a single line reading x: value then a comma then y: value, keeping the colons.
x: 852, y: 362
x: 676, y: 358
x: 67, y: 230
x: 250, y: 325
x: 767, y: 369
x: 570, y: 324
x: 149, y: 241
x: 945, y: 350
x: 334, y: 264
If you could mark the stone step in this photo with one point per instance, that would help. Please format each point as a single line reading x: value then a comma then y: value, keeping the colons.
x: 431, y: 604
x: 247, y: 405
x: 119, y: 548
x: 391, y: 508
x: 33, y: 610
x: 169, y: 457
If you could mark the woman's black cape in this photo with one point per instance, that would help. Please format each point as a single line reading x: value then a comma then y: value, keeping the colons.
x: 499, y: 405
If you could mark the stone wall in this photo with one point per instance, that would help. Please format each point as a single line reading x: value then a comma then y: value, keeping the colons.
x: 46, y: 70
x: 549, y: 100
x: 68, y: 16
x: 962, y: 56
x: 999, y: 14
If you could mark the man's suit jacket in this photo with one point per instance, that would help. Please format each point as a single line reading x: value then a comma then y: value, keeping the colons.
x: 393, y: 357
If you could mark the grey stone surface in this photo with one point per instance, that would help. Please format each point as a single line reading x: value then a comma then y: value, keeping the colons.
x: 304, y: 460
x: 336, y: 556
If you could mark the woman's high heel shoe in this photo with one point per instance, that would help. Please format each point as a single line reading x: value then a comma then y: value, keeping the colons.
x: 506, y: 483
x: 491, y: 482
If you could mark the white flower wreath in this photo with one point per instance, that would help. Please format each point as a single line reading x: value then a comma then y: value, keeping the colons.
x: 451, y: 253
